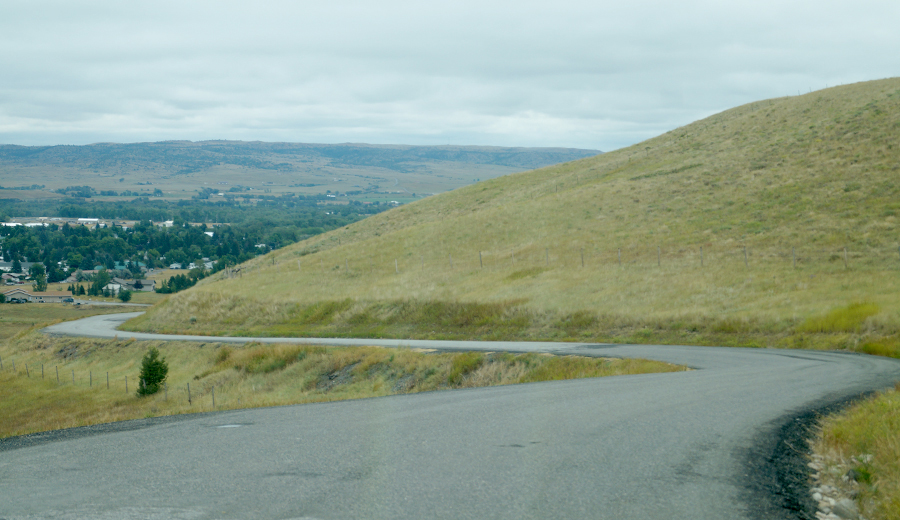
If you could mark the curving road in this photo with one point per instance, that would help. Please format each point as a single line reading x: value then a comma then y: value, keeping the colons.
x: 720, y: 442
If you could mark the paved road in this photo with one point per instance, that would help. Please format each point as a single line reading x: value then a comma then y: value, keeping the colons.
x: 713, y: 443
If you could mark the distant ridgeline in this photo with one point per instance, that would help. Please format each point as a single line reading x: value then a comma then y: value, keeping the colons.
x: 183, y: 157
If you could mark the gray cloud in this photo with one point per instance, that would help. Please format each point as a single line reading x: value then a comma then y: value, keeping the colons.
x: 586, y: 74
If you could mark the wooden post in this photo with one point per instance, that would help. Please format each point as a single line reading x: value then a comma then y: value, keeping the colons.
x: 214, y: 396
x: 298, y: 266
x: 480, y: 261
x: 42, y: 371
x: 701, y: 256
x: 620, y: 256
x: 189, y: 393
x: 423, y: 262
x: 582, y: 257
x: 126, y: 384
x: 73, y: 377
x: 745, y: 257
x: 57, y: 375
x: 396, y: 268
x: 547, y: 254
x: 27, y: 373
x: 91, y: 379
x: 845, y: 258
x: 107, y: 380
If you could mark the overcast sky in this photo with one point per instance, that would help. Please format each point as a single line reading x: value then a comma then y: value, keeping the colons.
x: 586, y: 74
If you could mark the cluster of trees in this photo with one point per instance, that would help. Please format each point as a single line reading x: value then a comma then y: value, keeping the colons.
x: 180, y: 282
x: 63, y: 249
x: 285, y: 210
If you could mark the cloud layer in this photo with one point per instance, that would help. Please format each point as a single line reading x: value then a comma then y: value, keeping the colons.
x: 581, y: 74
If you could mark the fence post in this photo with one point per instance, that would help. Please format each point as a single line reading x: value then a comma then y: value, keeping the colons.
x: 845, y: 258
x: 73, y: 377
x: 214, y: 396
x: 480, y: 261
x: 107, y: 380
x: 126, y: 384
x: 620, y: 256
x: 701, y: 256
x: 57, y: 375
x: 547, y: 254
x: 1, y: 362
x: 582, y: 257
x: 42, y: 371
x: 91, y: 379
x: 745, y: 258
x: 189, y: 393
x: 794, y: 257
x: 396, y: 268
x: 27, y: 373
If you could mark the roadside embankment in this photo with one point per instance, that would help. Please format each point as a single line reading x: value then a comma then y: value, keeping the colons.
x: 51, y: 383
x: 856, y: 460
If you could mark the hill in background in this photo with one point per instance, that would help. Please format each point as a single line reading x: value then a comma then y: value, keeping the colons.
x: 747, y: 227
x: 180, y: 168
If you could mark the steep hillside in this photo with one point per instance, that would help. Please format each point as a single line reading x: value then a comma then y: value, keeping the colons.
x: 742, y: 228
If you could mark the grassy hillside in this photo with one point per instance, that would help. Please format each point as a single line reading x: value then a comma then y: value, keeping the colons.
x: 773, y: 223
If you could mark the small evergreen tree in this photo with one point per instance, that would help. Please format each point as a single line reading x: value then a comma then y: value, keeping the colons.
x: 124, y: 295
x: 154, y: 370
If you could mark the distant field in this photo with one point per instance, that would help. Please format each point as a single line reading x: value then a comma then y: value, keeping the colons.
x: 19, y: 318
x: 28, y: 194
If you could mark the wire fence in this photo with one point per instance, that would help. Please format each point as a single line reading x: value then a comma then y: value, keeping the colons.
x: 533, y: 254
x: 103, y: 381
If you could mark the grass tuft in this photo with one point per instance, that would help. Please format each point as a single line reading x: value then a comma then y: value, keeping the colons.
x: 863, y: 439
x: 846, y: 319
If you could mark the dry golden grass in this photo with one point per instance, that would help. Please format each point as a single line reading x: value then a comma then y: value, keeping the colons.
x: 251, y: 375
x: 864, y: 438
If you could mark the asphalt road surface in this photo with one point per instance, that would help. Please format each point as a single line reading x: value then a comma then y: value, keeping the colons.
x: 724, y: 441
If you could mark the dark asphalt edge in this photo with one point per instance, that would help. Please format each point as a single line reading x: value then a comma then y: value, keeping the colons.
x: 79, y: 432
x: 778, y: 480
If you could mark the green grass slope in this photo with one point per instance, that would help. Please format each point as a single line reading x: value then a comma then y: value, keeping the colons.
x: 773, y: 223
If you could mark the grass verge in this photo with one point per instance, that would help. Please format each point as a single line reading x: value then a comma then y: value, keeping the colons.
x: 863, y: 440
x: 857, y: 326
x: 251, y: 375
